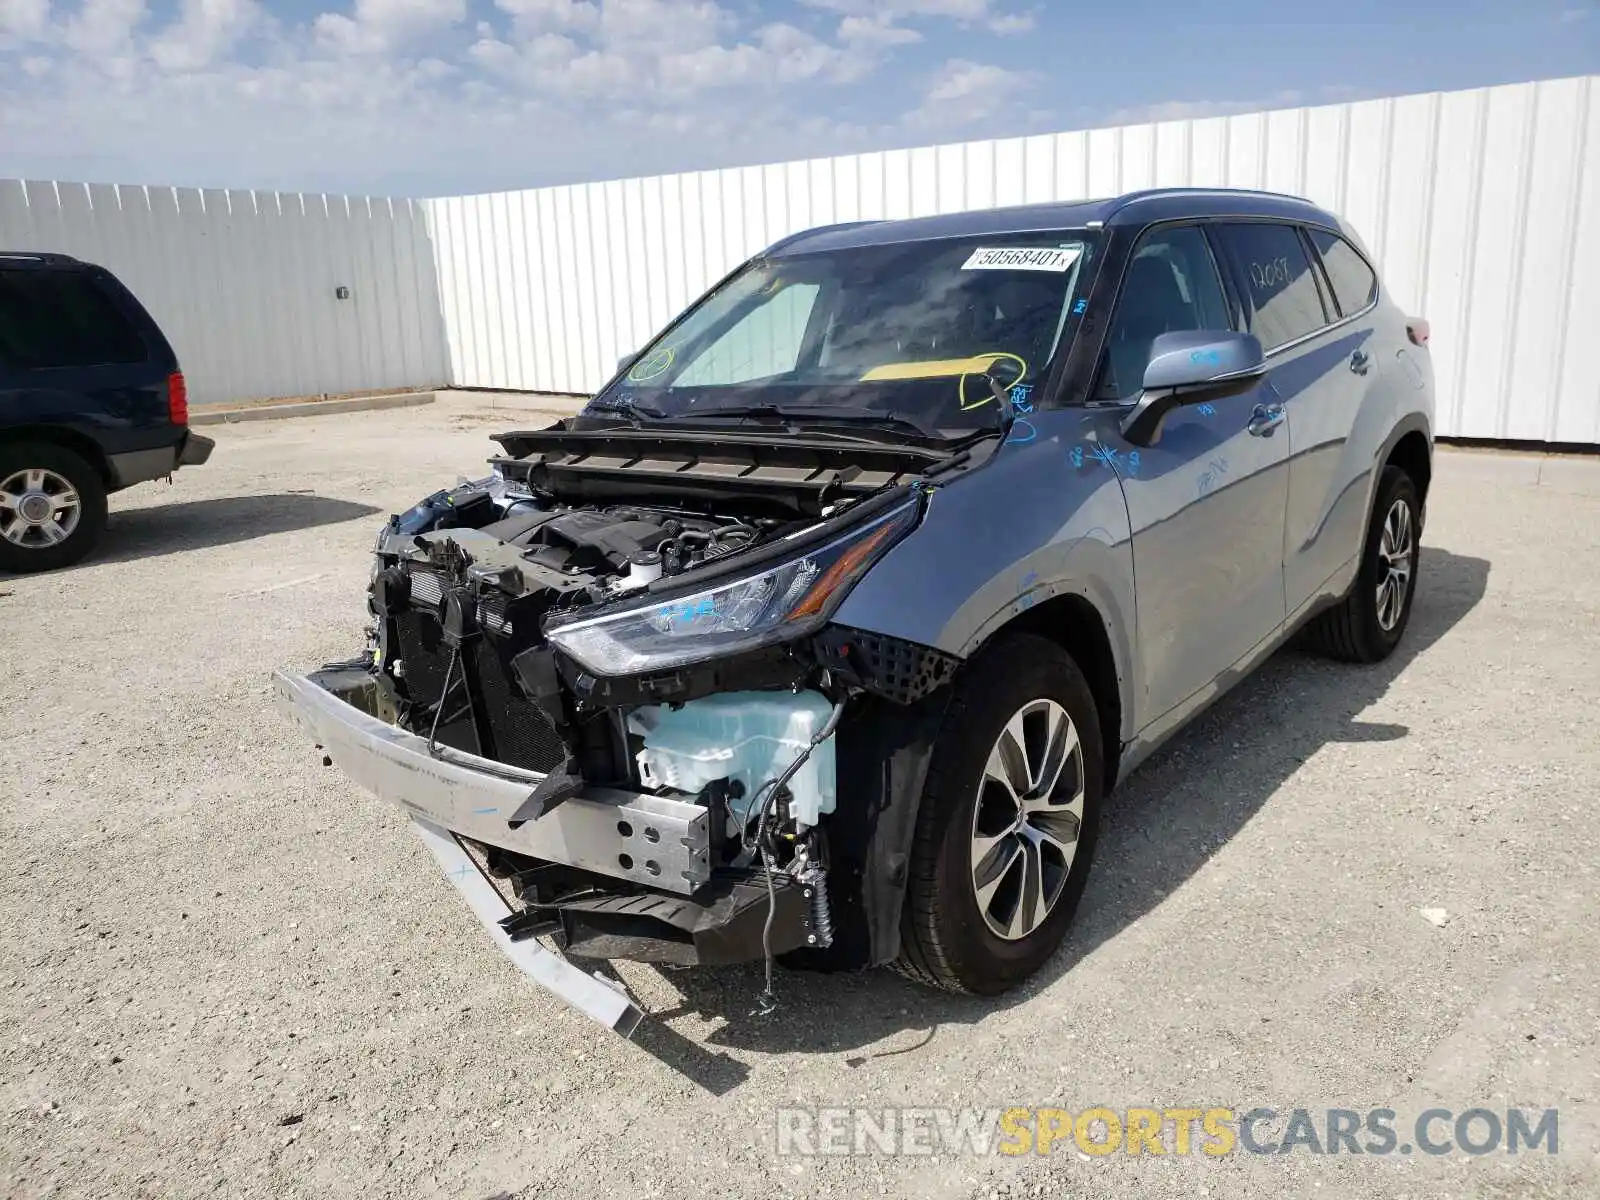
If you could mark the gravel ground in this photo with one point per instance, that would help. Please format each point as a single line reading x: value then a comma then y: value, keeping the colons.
x: 226, y: 971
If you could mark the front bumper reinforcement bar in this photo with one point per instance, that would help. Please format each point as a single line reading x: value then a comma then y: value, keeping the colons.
x: 590, y: 995
x: 625, y: 834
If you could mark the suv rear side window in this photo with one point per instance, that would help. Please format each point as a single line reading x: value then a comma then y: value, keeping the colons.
x: 63, y: 319
x: 1354, y: 284
x: 1277, y: 278
x: 1171, y: 287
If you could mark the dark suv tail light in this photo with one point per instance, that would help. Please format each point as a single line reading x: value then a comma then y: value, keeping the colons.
x: 1417, y: 330
x: 177, y: 399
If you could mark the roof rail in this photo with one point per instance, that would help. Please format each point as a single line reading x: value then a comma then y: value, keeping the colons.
x: 40, y: 256
x: 1158, y: 193
x: 805, y: 233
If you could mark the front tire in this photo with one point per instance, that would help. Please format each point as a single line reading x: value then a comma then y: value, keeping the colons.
x: 1368, y: 623
x: 1007, y: 826
x: 52, y: 507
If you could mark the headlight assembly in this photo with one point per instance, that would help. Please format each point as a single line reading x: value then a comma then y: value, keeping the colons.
x: 787, y: 600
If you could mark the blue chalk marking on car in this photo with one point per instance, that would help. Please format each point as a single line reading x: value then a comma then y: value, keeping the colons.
x: 686, y: 611
x: 1024, y: 600
x: 1020, y: 427
x: 1077, y: 456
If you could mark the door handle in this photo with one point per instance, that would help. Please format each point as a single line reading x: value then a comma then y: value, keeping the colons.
x: 1265, y: 418
x: 1359, y: 362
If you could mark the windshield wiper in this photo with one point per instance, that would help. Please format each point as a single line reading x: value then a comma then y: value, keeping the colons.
x: 627, y: 412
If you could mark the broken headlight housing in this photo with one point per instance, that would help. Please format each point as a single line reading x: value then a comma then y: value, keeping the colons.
x: 784, y: 601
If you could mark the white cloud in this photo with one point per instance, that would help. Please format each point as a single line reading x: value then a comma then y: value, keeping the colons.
x: 104, y: 28
x: 878, y: 30
x: 205, y: 31
x: 547, y: 52
x: 23, y: 18
x: 540, y: 15
x: 1569, y: 16
x: 663, y: 24
x: 968, y: 12
x: 1011, y: 23
x: 965, y: 93
x: 381, y: 25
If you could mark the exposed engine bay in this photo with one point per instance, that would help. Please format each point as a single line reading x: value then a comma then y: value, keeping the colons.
x: 649, y: 626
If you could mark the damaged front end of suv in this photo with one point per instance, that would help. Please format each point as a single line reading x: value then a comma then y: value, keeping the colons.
x: 612, y: 684
x: 606, y: 678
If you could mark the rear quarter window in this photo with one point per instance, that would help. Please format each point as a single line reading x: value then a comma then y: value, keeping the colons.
x: 1277, y: 278
x: 63, y: 319
x: 1354, y: 284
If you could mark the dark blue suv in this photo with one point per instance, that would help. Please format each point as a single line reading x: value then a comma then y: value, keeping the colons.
x: 91, y: 401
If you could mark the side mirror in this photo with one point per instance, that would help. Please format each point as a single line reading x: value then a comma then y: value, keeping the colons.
x: 1190, y: 368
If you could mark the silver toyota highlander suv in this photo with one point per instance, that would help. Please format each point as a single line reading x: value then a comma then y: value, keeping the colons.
x: 822, y: 633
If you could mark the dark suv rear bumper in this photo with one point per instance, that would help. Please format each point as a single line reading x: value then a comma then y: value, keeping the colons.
x: 141, y: 466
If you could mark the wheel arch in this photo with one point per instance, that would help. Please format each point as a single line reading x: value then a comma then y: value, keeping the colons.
x: 1413, y: 454
x: 1073, y: 622
x: 67, y: 438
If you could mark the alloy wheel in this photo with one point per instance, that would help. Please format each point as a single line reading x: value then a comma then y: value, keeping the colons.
x: 1026, y: 820
x: 38, y: 508
x: 1395, y: 548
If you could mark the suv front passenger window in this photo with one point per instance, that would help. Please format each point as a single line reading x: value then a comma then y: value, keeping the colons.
x: 1171, y: 286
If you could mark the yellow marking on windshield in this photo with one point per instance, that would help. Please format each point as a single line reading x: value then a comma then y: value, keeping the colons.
x: 937, y: 368
x: 989, y: 360
x: 657, y: 364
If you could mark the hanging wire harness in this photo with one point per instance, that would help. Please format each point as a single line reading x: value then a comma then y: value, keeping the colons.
x: 812, y: 874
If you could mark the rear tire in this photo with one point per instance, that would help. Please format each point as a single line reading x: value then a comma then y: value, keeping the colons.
x: 1007, y: 825
x: 52, y: 507
x: 1368, y: 623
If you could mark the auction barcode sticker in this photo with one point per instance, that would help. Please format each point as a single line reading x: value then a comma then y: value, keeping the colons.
x: 1023, y: 258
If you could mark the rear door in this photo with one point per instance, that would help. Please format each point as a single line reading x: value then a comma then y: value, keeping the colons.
x: 1320, y: 363
x: 1206, y: 501
x: 77, y: 350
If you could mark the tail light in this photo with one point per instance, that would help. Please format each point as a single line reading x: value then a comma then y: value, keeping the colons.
x: 177, y: 399
x: 1417, y: 330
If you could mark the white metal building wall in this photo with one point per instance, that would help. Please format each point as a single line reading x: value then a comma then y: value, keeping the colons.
x: 243, y: 283
x: 1482, y: 207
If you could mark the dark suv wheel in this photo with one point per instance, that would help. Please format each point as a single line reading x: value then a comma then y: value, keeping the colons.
x: 52, y: 506
x: 1007, y: 826
x: 1367, y: 624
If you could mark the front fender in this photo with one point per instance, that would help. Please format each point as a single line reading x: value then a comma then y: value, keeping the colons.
x: 1027, y: 526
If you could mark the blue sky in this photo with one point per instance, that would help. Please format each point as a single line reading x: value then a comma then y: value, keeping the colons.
x: 432, y: 97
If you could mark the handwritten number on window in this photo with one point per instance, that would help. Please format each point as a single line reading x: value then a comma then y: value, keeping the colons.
x: 1270, y: 275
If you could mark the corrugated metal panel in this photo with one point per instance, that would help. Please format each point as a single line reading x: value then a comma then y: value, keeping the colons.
x: 242, y: 283
x: 1482, y: 208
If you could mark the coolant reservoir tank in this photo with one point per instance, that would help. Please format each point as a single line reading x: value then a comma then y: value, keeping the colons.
x: 751, y: 737
x: 643, y: 567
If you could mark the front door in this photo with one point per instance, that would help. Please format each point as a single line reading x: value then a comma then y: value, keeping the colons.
x: 1206, y: 502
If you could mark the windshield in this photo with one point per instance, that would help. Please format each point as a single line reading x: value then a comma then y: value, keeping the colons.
x: 897, y: 332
